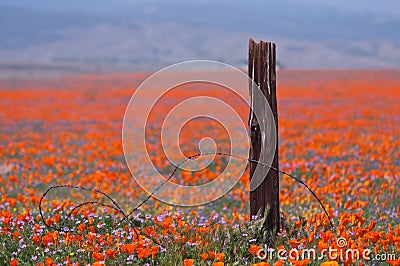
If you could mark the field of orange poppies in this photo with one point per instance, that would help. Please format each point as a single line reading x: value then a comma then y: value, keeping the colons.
x: 338, y: 132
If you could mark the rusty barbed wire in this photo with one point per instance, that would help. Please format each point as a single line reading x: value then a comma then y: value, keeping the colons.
x: 117, y: 208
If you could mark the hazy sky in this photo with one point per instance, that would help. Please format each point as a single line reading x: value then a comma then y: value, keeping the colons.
x: 386, y: 7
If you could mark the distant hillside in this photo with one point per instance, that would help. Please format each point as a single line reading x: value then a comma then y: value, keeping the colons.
x: 134, y: 35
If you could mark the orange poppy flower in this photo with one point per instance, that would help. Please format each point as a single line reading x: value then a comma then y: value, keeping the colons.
x: 111, y: 253
x: 36, y: 239
x: 188, y: 262
x: 330, y: 263
x: 212, y: 254
x: 49, y: 262
x: 203, y: 256
x: 98, y: 256
x: 128, y: 248
x: 220, y: 256
x: 254, y: 249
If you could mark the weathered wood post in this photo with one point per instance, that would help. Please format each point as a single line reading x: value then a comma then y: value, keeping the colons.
x: 262, y: 69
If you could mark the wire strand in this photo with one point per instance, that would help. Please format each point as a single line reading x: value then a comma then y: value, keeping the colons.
x: 116, y: 207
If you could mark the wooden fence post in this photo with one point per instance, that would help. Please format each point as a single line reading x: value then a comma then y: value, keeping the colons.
x: 262, y: 70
